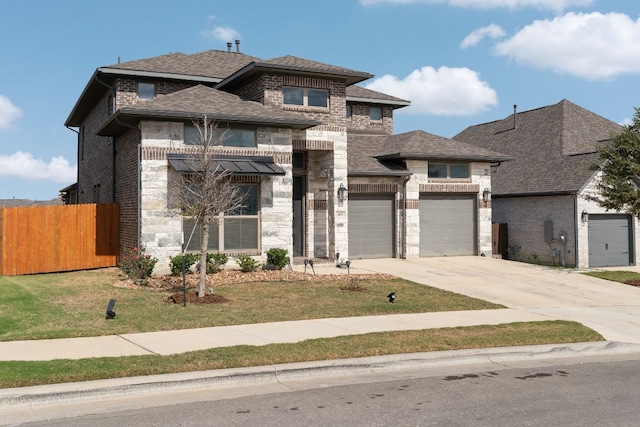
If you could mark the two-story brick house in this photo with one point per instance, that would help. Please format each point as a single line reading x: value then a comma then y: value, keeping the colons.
x: 316, y: 154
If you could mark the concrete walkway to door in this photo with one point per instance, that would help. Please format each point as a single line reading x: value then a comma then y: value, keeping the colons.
x: 610, y: 308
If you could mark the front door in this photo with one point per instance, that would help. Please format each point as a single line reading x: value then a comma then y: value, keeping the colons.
x: 298, y: 215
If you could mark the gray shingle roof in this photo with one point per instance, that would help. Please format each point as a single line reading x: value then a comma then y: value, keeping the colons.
x: 370, y: 153
x: 553, y: 147
x: 361, y: 93
x: 212, y: 63
x: 195, y: 101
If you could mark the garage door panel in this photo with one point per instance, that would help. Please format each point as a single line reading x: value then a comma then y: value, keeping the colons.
x: 447, y: 225
x: 609, y: 240
x: 371, y: 225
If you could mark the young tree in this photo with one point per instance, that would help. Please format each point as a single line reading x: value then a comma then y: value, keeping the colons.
x: 206, y: 189
x: 619, y: 187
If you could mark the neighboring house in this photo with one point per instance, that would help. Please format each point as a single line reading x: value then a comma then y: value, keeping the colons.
x: 325, y: 176
x: 541, y: 194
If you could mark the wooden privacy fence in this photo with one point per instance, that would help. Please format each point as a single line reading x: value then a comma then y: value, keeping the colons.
x: 44, y: 239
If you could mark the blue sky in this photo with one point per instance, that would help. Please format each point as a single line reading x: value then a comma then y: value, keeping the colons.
x: 460, y: 62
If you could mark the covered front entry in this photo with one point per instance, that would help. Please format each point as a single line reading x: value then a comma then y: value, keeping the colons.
x: 371, y: 226
x: 447, y: 224
x: 609, y: 240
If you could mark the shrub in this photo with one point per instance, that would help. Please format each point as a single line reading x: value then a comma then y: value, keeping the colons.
x: 175, y: 263
x: 137, y: 265
x: 247, y: 264
x: 277, y: 258
x: 215, y: 262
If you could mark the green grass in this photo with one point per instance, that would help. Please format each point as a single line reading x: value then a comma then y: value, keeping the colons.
x: 74, y: 304
x: 20, y: 374
x: 615, y: 276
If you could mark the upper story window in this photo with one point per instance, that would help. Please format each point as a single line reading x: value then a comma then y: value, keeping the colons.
x: 305, y: 97
x: 445, y: 170
x: 223, y: 137
x: 375, y: 113
x: 146, y: 90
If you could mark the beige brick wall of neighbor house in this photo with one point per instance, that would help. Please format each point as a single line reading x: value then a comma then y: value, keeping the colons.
x: 592, y: 207
x: 161, y: 227
x: 525, y: 218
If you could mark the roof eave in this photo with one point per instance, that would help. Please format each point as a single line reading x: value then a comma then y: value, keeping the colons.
x: 157, y: 75
x: 436, y: 156
x: 536, y: 194
x: 394, y: 104
x: 254, y: 68
x: 124, y: 118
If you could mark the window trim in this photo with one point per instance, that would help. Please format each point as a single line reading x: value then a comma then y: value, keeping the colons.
x: 224, y: 129
x: 218, y: 226
x: 448, y: 170
x: 149, y: 85
x: 305, y: 97
x: 372, y: 108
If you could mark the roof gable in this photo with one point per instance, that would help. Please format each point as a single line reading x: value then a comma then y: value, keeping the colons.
x: 553, y: 148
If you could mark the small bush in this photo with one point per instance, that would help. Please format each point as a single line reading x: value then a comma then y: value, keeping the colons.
x: 247, y: 264
x: 137, y: 265
x: 176, y: 265
x: 277, y: 258
x: 215, y: 262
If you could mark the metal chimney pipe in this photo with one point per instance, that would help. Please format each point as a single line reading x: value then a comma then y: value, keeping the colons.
x: 238, y: 46
x: 229, y: 46
x: 515, y: 109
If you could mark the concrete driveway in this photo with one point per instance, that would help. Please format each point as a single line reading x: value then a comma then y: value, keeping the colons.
x: 612, y: 309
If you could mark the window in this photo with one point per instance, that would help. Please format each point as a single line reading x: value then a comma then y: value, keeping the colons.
x: 146, y: 90
x: 231, y: 137
x: 305, y: 97
x: 443, y: 170
x: 375, y: 113
x: 233, y: 231
x: 349, y: 111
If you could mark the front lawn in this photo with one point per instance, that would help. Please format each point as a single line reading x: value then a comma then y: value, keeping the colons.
x: 74, y: 304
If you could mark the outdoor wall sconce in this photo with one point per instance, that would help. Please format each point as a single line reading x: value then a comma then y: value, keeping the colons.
x: 485, y: 194
x: 342, y: 192
x: 584, y: 216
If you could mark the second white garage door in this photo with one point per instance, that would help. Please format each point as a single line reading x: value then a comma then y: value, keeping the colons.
x: 371, y: 225
x: 447, y: 225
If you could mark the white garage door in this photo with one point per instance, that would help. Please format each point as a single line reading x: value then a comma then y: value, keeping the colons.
x: 609, y: 237
x: 371, y: 225
x: 447, y: 225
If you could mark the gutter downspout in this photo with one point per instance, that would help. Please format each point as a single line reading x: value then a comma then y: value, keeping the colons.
x: 575, y: 232
x: 404, y: 217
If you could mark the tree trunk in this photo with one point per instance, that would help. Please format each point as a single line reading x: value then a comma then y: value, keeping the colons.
x: 206, y: 221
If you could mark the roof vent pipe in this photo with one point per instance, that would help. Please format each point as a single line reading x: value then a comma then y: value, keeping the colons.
x: 238, y: 46
x: 229, y: 46
x: 515, y: 109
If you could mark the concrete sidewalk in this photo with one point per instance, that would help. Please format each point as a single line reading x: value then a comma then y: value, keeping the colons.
x: 182, y: 341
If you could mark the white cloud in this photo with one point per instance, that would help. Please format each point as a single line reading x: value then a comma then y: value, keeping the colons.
x: 557, y: 5
x: 493, y: 31
x: 24, y: 165
x: 8, y: 112
x: 592, y: 46
x: 445, y: 91
x: 225, y: 34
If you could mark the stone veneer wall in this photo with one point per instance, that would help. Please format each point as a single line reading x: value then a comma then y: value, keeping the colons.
x: 161, y: 228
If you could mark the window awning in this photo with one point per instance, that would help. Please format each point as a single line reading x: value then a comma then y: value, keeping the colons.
x: 249, y: 165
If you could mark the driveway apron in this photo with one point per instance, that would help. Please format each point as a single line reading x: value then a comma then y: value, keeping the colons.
x: 610, y: 308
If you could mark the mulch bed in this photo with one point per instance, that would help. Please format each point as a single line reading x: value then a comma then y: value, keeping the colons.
x: 632, y: 282
x: 174, y: 284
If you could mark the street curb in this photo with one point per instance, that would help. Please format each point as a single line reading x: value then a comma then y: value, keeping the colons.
x: 68, y: 393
